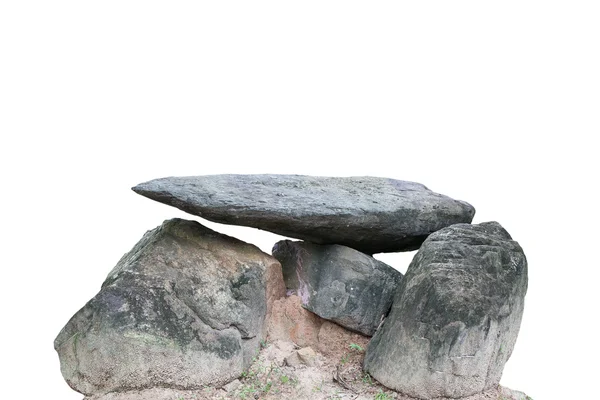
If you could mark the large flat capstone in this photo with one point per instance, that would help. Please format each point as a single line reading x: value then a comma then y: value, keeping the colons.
x: 186, y: 307
x: 369, y: 214
x: 456, y: 315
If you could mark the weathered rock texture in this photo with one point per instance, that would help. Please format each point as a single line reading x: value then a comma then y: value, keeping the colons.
x: 339, y: 283
x: 184, y: 308
x: 291, y: 322
x: 306, y: 388
x: 456, y: 315
x: 368, y: 214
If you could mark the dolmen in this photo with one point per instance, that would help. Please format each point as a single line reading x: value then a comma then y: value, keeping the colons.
x: 188, y: 307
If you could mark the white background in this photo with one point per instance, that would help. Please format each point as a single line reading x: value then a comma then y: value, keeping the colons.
x: 495, y: 103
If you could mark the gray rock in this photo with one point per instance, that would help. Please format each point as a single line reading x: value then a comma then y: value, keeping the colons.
x: 152, y: 394
x: 232, y: 386
x: 184, y: 308
x: 307, y: 356
x: 293, y: 360
x: 456, y: 315
x: 369, y: 214
x: 510, y: 394
x: 338, y: 283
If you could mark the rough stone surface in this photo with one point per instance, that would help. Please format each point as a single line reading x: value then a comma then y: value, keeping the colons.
x: 507, y: 393
x: 369, y: 214
x: 291, y: 322
x: 456, y: 315
x: 268, y: 379
x: 232, y: 386
x: 308, y: 356
x: 293, y: 360
x: 305, y: 356
x: 184, y: 308
x: 277, y: 351
x: 307, y: 389
x: 339, y: 283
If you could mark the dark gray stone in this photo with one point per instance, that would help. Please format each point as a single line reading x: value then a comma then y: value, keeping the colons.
x: 369, y: 214
x: 184, y: 308
x: 338, y: 283
x: 456, y: 315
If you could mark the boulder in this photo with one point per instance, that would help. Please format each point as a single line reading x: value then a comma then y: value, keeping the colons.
x: 338, y: 283
x: 186, y: 307
x: 369, y: 214
x: 456, y: 315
